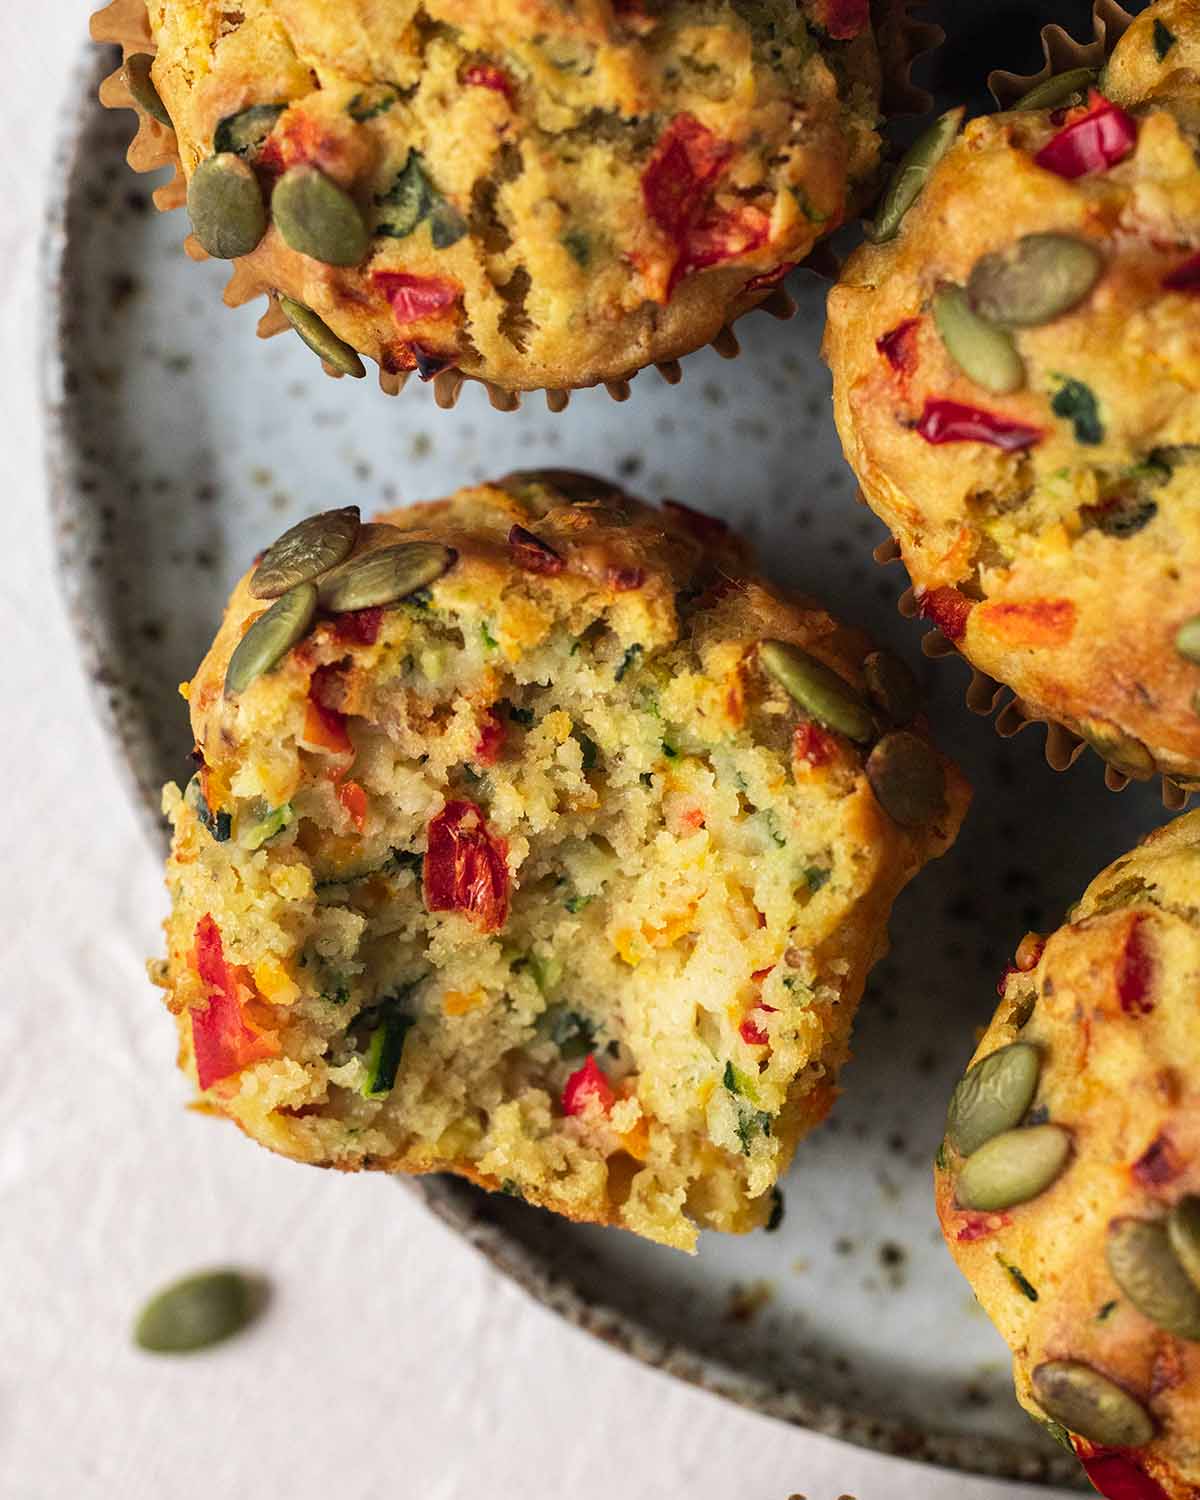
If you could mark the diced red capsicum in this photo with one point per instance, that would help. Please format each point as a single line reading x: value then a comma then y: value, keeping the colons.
x: 1158, y: 1164
x: 843, y: 19
x: 1097, y: 140
x: 534, y: 555
x: 223, y: 1041
x: 354, y: 799
x: 948, y: 609
x: 1185, y: 277
x: 1116, y: 1474
x: 483, y: 75
x: 1135, y: 971
x: 325, y: 730
x: 587, y: 1089
x: 945, y: 421
x: 686, y: 162
x: 415, y: 298
x: 770, y: 278
x: 492, y: 732
x: 979, y: 1226
x: 360, y: 626
x: 465, y: 867
x: 812, y: 744
x: 899, y: 346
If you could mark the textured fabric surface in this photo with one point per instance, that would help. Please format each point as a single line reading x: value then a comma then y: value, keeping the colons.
x: 393, y: 1359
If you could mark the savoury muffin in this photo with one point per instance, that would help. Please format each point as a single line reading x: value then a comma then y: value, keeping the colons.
x: 533, y: 838
x: 1016, y: 364
x: 1068, y: 1186
x: 535, y: 195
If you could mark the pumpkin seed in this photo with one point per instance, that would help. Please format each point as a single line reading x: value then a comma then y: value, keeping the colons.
x: 1035, y: 280
x: 818, y: 689
x: 318, y: 218
x: 1145, y: 1267
x: 321, y: 339
x: 892, y: 686
x: 142, y: 87
x: 1183, y: 1231
x: 993, y: 1096
x: 1119, y: 750
x: 245, y: 132
x: 384, y: 576
x: 271, y: 637
x: 1053, y: 92
x: 197, y: 1312
x: 912, y: 172
x: 984, y: 353
x: 1088, y: 1403
x: 907, y: 779
x: 1187, y: 639
x: 310, y: 548
x: 574, y: 486
x: 225, y: 205
x: 1013, y: 1167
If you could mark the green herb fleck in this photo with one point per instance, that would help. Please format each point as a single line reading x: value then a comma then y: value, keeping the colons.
x: 1164, y: 40
x: 369, y: 104
x: 939, y: 1160
x: 446, y: 225
x: 575, y: 904
x: 647, y: 778
x: 776, y: 1216
x: 1076, y: 403
x: 1059, y: 1433
x: 670, y: 751
x: 511, y: 1188
x: 407, y: 202
x: 590, y: 750
x: 816, y: 876
x: 577, y: 246
x: 522, y: 716
x: 572, y: 1033
x: 813, y: 214
x: 1107, y: 1310
x: 630, y: 659
x: 489, y: 640
x: 730, y: 1078
x: 384, y: 1051
x: 339, y: 994
x: 750, y: 1124
x: 1019, y: 1279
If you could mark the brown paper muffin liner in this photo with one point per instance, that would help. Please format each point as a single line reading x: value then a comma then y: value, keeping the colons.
x: 983, y: 695
x: 902, y: 41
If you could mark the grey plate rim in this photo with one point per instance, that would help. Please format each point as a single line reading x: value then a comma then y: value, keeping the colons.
x: 460, y: 1207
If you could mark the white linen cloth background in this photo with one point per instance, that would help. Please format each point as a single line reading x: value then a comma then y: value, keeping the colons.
x: 393, y: 1359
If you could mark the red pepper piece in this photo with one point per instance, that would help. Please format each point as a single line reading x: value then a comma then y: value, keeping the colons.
x: 222, y: 1040
x: 587, y: 1089
x: 624, y: 580
x: 360, y: 626
x: 414, y: 298
x: 354, y: 799
x: 1135, y: 972
x: 770, y: 278
x: 979, y: 1226
x: 534, y: 555
x: 492, y: 732
x: 723, y: 236
x: 324, y: 730
x: 899, y: 346
x: 1158, y: 1164
x: 466, y: 868
x: 483, y: 75
x: 954, y: 422
x: 1185, y: 277
x: 811, y: 744
x: 1116, y: 1474
x: 1003, y: 982
x: 1098, y: 140
x: 843, y: 19
x: 686, y: 162
x: 948, y: 609
x: 709, y: 529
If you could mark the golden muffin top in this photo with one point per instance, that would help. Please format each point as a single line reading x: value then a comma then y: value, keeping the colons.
x: 1015, y: 374
x: 532, y: 194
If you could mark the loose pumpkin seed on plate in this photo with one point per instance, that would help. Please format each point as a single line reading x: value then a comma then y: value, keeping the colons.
x: 907, y: 779
x: 318, y: 218
x: 384, y: 576
x: 271, y: 637
x: 1034, y: 280
x: 142, y: 87
x: 321, y: 339
x: 817, y: 689
x: 1088, y: 1403
x: 307, y: 550
x: 993, y: 1096
x: 225, y: 205
x: 912, y: 172
x: 1012, y: 1168
x: 1146, y: 1268
x: 892, y: 686
x: 197, y: 1312
x: 984, y: 353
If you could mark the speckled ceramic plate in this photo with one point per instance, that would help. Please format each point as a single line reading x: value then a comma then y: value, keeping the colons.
x: 179, y: 446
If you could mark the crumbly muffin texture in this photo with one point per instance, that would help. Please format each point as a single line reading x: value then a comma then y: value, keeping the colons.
x: 1015, y: 382
x: 545, y: 196
x: 537, y: 875
x: 1084, y: 1252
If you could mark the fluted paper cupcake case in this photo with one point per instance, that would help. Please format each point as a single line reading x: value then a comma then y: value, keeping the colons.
x: 984, y: 696
x: 902, y: 40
